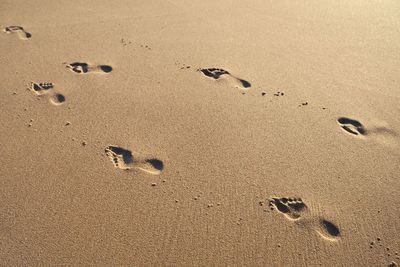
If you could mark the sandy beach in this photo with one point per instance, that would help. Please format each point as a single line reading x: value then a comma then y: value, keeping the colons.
x: 200, y: 133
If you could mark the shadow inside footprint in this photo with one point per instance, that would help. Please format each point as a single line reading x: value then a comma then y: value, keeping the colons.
x: 245, y: 83
x: 282, y: 207
x: 330, y: 228
x: 156, y: 164
x: 216, y: 73
x: 106, y: 68
x: 58, y: 99
x: 352, y: 126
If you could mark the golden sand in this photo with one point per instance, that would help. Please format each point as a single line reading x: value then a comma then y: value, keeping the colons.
x: 199, y: 133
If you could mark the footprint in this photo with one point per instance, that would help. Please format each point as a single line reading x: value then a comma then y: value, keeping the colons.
x: 380, y: 133
x: 81, y: 68
x: 19, y: 30
x: 216, y: 74
x: 291, y: 207
x: 124, y: 159
x: 41, y: 88
x: 352, y: 126
x: 296, y: 210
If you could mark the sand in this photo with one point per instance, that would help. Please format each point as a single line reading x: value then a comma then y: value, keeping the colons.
x: 200, y: 133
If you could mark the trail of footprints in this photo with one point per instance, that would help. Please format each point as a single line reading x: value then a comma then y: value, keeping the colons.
x: 350, y: 126
x: 55, y: 98
x: 294, y: 209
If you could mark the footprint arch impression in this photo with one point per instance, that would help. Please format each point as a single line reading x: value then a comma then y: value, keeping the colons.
x: 351, y: 126
x: 22, y: 34
x: 296, y: 210
x: 82, y: 68
x: 124, y: 159
x: 218, y: 74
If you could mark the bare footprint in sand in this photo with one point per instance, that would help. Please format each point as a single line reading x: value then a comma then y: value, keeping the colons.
x: 296, y: 210
x: 380, y: 134
x: 81, y: 68
x: 22, y: 34
x: 218, y: 74
x: 124, y: 159
x: 46, y: 89
x: 351, y: 126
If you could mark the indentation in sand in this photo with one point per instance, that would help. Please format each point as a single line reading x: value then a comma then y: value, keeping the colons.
x: 46, y: 89
x: 22, y: 34
x: 296, y: 210
x: 57, y: 99
x: 125, y: 160
x: 82, y: 67
x: 217, y: 74
x: 293, y: 208
x: 378, y: 133
x: 351, y: 126
x: 41, y: 88
x: 328, y: 230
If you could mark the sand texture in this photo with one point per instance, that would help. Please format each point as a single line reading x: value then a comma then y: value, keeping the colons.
x: 200, y: 133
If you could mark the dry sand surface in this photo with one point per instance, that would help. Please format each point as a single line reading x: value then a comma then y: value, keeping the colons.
x: 200, y: 133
